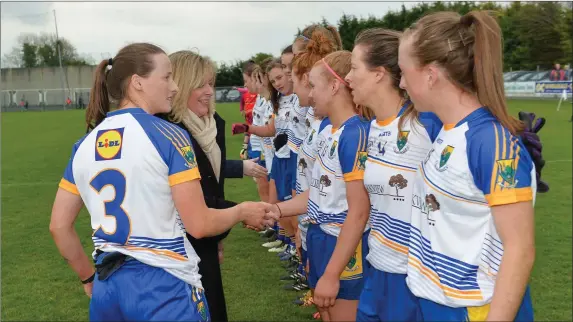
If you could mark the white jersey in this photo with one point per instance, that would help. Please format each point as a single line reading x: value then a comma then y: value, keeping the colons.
x: 455, y: 250
x: 297, y: 128
x: 341, y: 157
x: 268, y: 148
x: 287, y: 105
x: 393, y: 157
x: 123, y: 170
x: 309, y: 118
x: 259, y: 113
x: 305, y: 165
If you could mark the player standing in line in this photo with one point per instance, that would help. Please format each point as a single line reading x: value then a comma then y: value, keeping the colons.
x: 338, y: 205
x: 281, y: 177
x: 399, y: 140
x: 137, y: 176
x: 248, y: 99
x: 472, y: 233
x: 255, y: 147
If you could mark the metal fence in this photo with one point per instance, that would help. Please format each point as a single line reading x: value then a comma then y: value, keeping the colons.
x: 75, y: 98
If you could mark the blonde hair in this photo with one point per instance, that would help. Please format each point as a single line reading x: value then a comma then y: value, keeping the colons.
x: 189, y: 71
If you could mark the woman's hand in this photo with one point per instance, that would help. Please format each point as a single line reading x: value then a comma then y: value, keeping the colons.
x: 252, y: 169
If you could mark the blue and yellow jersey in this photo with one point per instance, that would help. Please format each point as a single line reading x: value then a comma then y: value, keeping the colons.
x: 455, y: 251
x: 124, y: 170
x: 341, y: 157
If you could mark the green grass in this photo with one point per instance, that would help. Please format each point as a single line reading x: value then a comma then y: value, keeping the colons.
x: 38, y: 285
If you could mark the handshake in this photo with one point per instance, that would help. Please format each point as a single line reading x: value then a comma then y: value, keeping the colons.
x: 258, y: 215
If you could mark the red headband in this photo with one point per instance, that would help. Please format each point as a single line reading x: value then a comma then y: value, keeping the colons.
x: 334, y: 73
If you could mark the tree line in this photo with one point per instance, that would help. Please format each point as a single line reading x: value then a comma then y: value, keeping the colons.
x: 534, y: 34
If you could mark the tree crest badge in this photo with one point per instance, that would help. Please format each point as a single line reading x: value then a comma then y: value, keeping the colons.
x: 362, y: 157
x: 401, y: 142
x: 507, y: 169
x: 444, y: 157
x: 189, y: 156
x: 333, y: 149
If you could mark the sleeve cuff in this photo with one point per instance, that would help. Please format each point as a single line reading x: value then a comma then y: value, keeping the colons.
x: 354, y: 175
x: 509, y: 196
x: 184, y: 176
x: 69, y: 187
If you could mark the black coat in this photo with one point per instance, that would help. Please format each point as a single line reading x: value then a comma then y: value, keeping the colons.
x: 214, y: 192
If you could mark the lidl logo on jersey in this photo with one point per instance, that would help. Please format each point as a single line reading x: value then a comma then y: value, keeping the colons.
x: 401, y: 142
x: 506, y: 170
x: 109, y: 144
x: 189, y: 156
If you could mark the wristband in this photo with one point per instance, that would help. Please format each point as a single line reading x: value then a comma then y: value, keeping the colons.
x: 280, y: 212
x: 89, y: 279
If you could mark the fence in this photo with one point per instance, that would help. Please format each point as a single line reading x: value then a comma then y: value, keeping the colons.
x: 56, y: 99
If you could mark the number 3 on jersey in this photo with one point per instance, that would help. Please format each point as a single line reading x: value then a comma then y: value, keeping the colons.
x: 115, y: 179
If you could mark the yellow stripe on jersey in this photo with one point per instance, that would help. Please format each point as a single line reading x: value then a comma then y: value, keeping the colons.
x: 478, y: 313
x: 184, y: 176
x: 161, y: 252
x: 494, y: 171
x: 509, y: 196
x: 69, y: 187
x: 434, y: 278
x: 354, y: 175
x: 389, y: 243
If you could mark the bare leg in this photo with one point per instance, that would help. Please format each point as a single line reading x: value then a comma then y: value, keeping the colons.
x: 343, y: 310
x: 263, y: 188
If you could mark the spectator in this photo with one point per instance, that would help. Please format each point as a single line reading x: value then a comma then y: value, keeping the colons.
x: 557, y: 74
x: 81, y: 102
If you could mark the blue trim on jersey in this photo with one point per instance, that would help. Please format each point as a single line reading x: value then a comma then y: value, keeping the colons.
x: 423, y: 168
x: 172, y: 143
x: 395, y: 230
x: 131, y: 110
x: 431, y: 123
x: 390, y: 163
x: 68, y: 171
x: 452, y: 272
x: 325, y: 122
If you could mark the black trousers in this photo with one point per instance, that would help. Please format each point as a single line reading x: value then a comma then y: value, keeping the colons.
x: 211, y: 278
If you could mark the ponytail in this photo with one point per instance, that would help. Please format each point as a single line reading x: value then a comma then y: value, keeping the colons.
x: 488, y: 67
x: 469, y: 48
x: 336, y: 37
x: 99, y: 104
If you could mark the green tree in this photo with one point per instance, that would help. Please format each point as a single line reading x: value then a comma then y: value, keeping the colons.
x: 260, y: 57
x: 41, y: 50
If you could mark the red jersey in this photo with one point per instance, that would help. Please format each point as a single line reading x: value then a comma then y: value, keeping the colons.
x: 249, y: 99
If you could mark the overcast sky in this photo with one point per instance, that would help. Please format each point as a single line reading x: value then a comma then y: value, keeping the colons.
x: 225, y: 31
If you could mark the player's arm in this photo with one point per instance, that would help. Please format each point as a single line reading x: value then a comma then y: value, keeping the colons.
x: 296, y: 206
x: 511, y: 200
x: 268, y: 130
x: 65, y: 210
x: 201, y: 221
x: 352, y: 152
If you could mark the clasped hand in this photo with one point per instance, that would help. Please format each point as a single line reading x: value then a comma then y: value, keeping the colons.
x: 258, y: 215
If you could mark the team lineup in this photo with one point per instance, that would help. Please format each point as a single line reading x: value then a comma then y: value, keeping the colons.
x: 392, y: 178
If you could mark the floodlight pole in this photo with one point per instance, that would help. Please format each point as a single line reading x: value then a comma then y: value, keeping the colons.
x: 60, y: 59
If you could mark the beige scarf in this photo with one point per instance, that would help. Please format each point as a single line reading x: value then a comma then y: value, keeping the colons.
x: 204, y: 130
